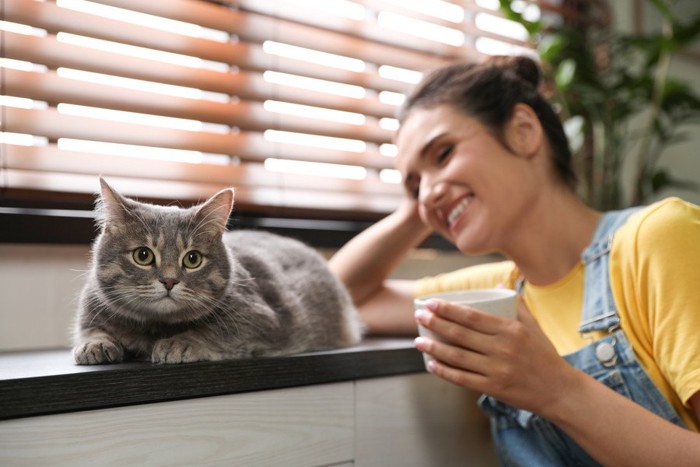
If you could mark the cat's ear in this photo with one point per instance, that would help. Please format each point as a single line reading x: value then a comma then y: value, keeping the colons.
x: 214, y: 213
x: 111, y: 206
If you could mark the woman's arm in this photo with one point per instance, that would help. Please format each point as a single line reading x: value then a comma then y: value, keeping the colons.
x: 619, y: 432
x: 514, y: 361
x: 365, y: 263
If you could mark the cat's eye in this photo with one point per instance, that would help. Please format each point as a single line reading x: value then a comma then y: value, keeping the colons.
x: 143, y: 256
x: 192, y: 259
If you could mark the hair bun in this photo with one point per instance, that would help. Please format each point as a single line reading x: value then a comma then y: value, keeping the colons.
x: 525, y: 68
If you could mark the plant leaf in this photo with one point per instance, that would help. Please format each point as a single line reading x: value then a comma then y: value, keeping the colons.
x: 662, y: 8
x: 565, y: 74
x: 662, y: 179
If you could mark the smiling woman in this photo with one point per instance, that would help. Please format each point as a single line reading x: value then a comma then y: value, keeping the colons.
x: 601, y: 327
x: 176, y: 100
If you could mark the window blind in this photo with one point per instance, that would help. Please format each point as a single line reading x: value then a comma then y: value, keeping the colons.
x: 290, y: 102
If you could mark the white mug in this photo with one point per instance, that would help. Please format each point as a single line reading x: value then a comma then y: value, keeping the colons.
x: 500, y: 302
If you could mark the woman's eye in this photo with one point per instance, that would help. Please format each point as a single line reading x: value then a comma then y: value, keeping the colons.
x: 192, y: 259
x: 143, y: 256
x: 444, y: 153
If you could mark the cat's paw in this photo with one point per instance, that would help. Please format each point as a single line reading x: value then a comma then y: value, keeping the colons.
x: 98, y: 351
x: 174, y: 350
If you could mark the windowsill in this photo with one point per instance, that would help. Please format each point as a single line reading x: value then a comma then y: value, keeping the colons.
x: 48, y: 382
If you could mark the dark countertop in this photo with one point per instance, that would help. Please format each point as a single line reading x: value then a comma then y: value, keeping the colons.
x: 48, y: 382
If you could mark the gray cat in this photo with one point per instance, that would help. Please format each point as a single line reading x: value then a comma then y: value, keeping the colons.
x: 169, y: 285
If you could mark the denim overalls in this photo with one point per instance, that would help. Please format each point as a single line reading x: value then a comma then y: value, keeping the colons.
x: 525, y: 439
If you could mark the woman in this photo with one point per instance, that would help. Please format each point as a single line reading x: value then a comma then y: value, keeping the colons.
x: 608, y: 301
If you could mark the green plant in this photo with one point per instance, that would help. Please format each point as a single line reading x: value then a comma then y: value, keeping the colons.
x: 616, y: 95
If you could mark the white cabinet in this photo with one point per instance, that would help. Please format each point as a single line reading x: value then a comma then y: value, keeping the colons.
x: 407, y: 420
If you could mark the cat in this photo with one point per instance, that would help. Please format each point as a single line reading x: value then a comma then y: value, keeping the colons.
x: 171, y: 285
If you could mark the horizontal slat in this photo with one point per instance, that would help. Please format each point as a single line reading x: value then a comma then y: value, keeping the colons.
x: 241, y: 84
x: 357, y: 28
x: 244, y: 114
x: 53, y: 53
x: 303, y: 29
x: 248, y: 27
x: 406, y: 10
x: 258, y: 28
x: 52, y: 124
x: 246, y: 145
x: 467, y: 25
x: 272, y: 201
x: 552, y: 7
x: 471, y: 7
x: 52, y: 159
x: 54, y: 19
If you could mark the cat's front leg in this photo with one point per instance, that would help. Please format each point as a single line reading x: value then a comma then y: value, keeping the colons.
x: 96, y: 347
x: 183, y: 348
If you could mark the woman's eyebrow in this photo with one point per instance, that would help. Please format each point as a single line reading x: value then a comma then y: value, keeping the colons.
x: 428, y: 146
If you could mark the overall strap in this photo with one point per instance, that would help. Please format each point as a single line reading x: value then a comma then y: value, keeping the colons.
x: 599, y: 311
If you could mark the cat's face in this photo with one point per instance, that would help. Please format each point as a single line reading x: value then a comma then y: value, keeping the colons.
x: 162, y: 264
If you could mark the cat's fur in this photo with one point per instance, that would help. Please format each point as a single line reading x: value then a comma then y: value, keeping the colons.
x: 254, y: 294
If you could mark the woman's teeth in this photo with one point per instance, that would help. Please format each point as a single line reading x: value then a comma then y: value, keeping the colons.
x: 457, y: 211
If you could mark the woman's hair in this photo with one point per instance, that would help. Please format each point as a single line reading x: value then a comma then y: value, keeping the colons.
x: 488, y: 92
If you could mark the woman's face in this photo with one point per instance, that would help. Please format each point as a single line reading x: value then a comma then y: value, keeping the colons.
x: 469, y: 187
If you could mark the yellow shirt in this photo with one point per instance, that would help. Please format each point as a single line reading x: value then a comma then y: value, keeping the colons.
x: 655, y: 280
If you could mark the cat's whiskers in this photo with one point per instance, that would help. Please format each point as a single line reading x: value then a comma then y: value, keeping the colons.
x: 216, y: 312
x: 124, y: 301
x: 99, y: 308
x: 241, y: 281
x: 197, y: 302
x: 82, y: 273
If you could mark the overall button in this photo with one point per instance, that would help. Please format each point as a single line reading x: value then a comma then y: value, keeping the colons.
x: 605, y: 353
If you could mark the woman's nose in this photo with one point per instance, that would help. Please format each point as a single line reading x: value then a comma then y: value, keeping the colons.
x: 432, y: 193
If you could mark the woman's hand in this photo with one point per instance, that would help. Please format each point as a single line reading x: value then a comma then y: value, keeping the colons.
x: 510, y: 359
x: 406, y: 219
x: 514, y: 361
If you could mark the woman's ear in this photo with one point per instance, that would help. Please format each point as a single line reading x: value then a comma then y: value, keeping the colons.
x: 524, y: 133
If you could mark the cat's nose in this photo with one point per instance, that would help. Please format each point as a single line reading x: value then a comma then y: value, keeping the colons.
x: 169, y: 283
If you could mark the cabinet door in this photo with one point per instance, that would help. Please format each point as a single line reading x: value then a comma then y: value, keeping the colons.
x: 305, y: 426
x: 419, y: 420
